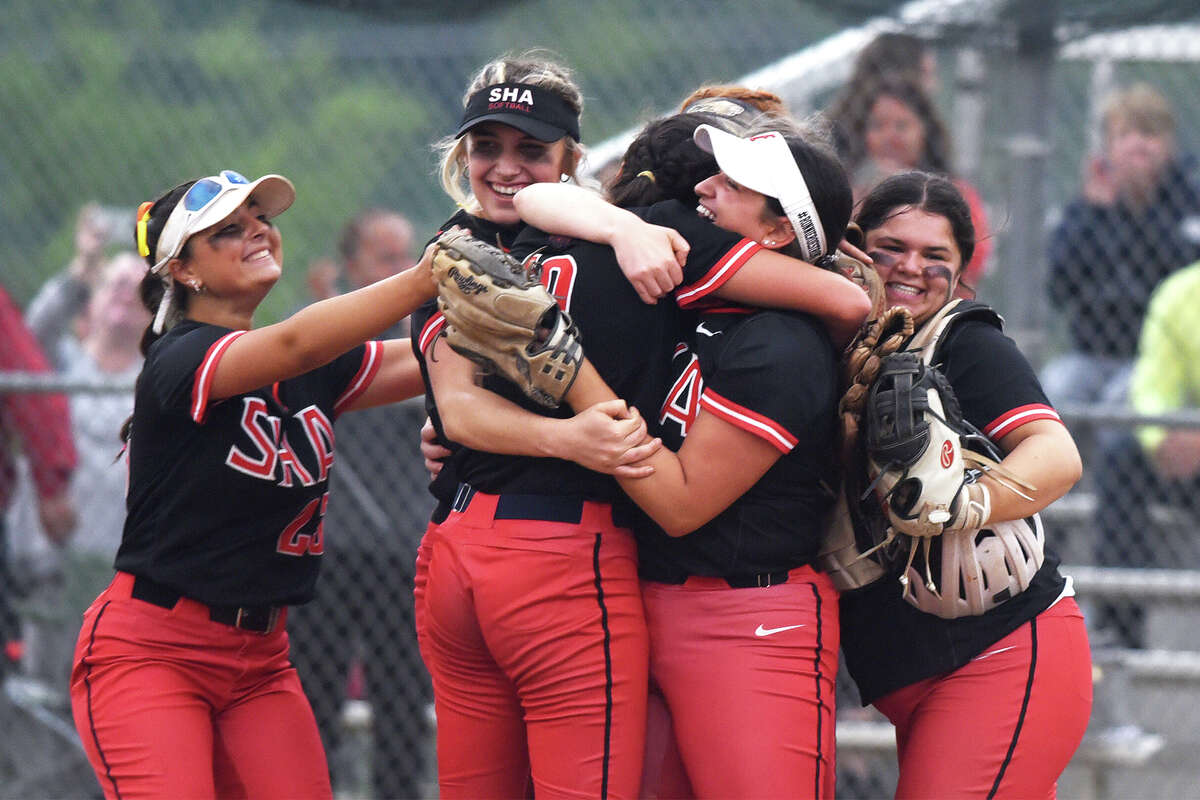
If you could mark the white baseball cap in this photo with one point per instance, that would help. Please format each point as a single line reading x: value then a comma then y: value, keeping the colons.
x: 765, y: 164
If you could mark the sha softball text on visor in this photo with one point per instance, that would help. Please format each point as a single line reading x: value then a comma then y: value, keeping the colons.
x: 765, y: 164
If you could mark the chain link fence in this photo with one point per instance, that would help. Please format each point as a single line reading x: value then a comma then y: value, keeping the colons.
x: 114, y: 102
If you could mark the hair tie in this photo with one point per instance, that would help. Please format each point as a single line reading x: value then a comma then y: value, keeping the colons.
x: 647, y: 174
x: 143, y: 217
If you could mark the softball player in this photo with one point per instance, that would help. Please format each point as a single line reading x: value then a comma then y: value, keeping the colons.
x: 555, y: 504
x: 527, y: 606
x: 755, y: 397
x: 988, y: 705
x: 182, y: 685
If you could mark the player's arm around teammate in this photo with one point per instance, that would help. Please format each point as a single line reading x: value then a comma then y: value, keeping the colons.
x: 768, y: 278
x: 1001, y: 696
x: 527, y: 604
x: 739, y: 590
x: 182, y: 684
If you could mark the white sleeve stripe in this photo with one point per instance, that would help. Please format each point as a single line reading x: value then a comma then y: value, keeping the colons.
x: 433, y: 326
x: 1019, y: 417
x: 366, y: 372
x: 774, y: 433
x: 206, y: 370
x: 718, y: 275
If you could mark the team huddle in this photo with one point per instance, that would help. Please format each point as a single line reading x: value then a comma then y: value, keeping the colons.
x: 690, y: 439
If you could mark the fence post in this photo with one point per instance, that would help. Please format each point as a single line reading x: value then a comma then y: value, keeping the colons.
x: 1028, y: 147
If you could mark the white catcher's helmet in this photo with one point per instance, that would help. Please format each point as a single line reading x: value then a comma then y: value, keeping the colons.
x: 979, y: 569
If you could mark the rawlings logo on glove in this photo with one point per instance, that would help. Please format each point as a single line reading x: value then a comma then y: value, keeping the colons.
x: 500, y: 316
x: 914, y: 451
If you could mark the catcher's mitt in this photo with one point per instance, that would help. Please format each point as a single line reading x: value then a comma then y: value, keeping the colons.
x: 915, y: 451
x: 500, y: 316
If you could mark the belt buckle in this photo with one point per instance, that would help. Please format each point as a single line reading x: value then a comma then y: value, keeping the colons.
x: 246, y: 620
x: 763, y: 579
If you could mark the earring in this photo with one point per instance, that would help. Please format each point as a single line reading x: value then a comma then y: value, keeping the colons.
x: 197, y: 287
x: 768, y: 242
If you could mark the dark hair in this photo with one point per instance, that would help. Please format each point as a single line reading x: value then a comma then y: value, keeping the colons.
x: 895, y: 53
x: 665, y: 149
x: 936, y: 152
x: 934, y: 194
x: 152, y: 286
x: 827, y: 185
x: 151, y: 289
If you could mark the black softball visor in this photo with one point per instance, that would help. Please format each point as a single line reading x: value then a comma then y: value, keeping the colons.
x: 543, y: 115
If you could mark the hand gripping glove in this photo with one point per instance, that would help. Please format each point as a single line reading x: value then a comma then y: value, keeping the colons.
x: 500, y: 316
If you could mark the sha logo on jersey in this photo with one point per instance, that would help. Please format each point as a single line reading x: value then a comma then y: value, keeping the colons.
x: 271, y: 453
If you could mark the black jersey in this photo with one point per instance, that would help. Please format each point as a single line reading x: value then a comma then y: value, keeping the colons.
x: 628, y: 341
x: 888, y: 643
x: 226, y: 499
x: 771, y: 373
x: 426, y: 324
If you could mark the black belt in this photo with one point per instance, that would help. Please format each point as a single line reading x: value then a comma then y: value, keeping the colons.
x: 544, y: 507
x: 757, y: 580
x: 258, y: 619
x: 760, y: 580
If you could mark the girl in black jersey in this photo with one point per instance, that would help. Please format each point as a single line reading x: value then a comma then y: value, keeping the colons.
x: 182, y: 685
x: 537, y: 540
x: 743, y: 630
x: 990, y: 690
x: 527, y: 608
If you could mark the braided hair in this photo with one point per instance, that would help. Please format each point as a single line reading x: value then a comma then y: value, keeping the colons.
x: 662, y: 163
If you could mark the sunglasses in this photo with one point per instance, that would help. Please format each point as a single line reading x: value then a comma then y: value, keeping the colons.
x: 206, y: 190
x: 202, y: 194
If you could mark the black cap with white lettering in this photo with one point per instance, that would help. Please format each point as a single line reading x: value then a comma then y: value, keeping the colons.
x: 542, y: 114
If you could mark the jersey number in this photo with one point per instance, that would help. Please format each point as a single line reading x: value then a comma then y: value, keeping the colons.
x: 558, y: 276
x: 294, y: 543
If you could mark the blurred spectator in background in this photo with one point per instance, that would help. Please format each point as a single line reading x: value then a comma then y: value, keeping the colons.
x: 375, y: 244
x: 900, y: 129
x: 1165, y: 375
x: 1161, y: 467
x: 1136, y: 221
x: 38, y: 426
x: 89, y: 321
x: 888, y: 57
x: 362, y: 617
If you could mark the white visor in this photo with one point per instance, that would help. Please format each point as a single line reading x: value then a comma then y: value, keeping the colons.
x: 210, y: 200
x: 765, y: 164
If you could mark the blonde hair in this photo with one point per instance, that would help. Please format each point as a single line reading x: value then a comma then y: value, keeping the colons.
x: 533, y: 67
x: 1141, y: 106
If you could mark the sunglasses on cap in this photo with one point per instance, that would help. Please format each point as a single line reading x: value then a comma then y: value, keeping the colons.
x: 200, y: 196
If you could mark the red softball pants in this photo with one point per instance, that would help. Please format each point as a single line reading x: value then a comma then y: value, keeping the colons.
x: 1005, y: 724
x: 170, y: 704
x: 534, y: 636
x: 748, y: 678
